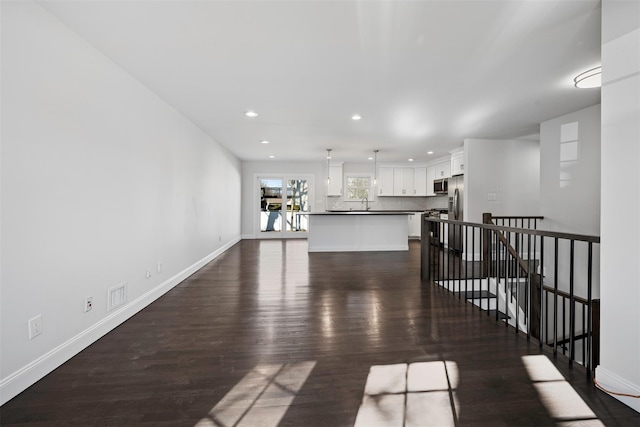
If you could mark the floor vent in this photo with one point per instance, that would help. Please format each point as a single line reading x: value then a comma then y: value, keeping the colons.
x: 116, y: 296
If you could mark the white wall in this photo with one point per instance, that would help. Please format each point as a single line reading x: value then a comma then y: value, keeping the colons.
x: 507, y: 168
x: 568, y: 187
x: 619, y: 369
x: 101, y: 180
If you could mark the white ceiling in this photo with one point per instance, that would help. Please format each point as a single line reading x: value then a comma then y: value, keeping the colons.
x: 423, y: 74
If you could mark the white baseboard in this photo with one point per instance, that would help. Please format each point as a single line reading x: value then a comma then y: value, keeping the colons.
x: 248, y: 237
x: 613, y: 382
x: 30, y: 373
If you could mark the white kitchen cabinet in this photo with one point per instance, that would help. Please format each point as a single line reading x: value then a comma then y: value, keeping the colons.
x: 335, y: 180
x: 457, y: 163
x: 420, y: 182
x: 385, y: 181
x: 443, y: 170
x: 415, y: 225
x: 431, y: 175
x: 403, y: 181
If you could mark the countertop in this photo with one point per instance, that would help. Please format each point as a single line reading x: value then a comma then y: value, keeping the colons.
x: 363, y: 212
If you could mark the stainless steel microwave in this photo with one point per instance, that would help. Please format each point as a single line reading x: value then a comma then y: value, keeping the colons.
x: 440, y: 186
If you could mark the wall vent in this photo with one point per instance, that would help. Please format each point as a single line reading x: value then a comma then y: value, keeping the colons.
x: 116, y: 296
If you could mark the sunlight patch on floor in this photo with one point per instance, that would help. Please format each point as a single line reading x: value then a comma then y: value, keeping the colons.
x: 561, y: 400
x: 416, y: 394
x: 261, y: 398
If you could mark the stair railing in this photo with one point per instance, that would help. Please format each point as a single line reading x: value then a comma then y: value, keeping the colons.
x: 501, y: 268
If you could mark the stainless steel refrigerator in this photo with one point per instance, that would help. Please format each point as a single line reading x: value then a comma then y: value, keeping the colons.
x: 456, y: 212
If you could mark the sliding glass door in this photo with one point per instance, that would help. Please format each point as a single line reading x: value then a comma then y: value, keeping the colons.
x: 284, y: 200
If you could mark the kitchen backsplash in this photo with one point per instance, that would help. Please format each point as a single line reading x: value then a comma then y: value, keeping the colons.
x: 392, y: 203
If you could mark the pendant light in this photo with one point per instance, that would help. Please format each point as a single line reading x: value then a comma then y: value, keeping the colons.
x: 328, y: 165
x: 375, y: 167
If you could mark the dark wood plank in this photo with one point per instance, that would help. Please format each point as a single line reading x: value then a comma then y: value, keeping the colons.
x: 269, y: 301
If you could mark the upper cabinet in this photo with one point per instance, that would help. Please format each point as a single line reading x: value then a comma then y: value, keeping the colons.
x: 385, y: 181
x: 443, y: 170
x: 457, y: 162
x: 402, y: 181
x: 335, y: 180
x: 420, y: 182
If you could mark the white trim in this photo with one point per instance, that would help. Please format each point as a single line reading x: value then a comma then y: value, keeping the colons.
x: 372, y: 189
x: 255, y: 220
x: 35, y: 370
x: 613, y: 382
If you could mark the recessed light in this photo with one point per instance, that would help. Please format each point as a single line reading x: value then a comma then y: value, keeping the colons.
x: 429, y: 152
x: 369, y: 158
x: 264, y: 141
x: 589, y: 79
x: 356, y: 117
x: 411, y: 160
x: 272, y: 157
x: 251, y: 113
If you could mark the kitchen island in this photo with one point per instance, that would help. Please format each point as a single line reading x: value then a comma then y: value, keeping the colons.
x: 348, y: 231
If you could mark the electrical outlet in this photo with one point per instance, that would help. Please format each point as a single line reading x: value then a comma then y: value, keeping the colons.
x: 35, y: 326
x: 88, y: 304
x: 148, y: 274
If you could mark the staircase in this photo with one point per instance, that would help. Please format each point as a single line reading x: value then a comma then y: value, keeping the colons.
x: 492, y: 296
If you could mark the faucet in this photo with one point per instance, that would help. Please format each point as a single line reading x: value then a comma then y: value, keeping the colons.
x: 365, y: 200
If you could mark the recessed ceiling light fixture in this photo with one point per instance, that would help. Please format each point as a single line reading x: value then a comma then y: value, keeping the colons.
x: 356, y: 117
x: 589, y: 79
x: 411, y: 160
x: 264, y: 141
x: 369, y: 158
x: 250, y: 113
x: 272, y: 157
x: 429, y: 152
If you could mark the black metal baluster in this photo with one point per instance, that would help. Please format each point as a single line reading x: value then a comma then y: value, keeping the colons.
x: 541, y: 275
x: 517, y: 267
x: 572, y: 308
x: 585, y: 337
x: 465, y: 247
x: 473, y: 262
x: 555, y: 299
x: 589, y: 338
x: 527, y: 290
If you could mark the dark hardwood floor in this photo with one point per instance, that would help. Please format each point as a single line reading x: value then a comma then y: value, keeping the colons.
x: 268, y: 304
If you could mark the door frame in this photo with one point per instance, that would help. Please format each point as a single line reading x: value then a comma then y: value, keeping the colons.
x: 283, y: 234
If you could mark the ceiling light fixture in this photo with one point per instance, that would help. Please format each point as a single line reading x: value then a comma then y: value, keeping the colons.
x: 272, y: 157
x: 356, y: 117
x: 264, y: 141
x: 328, y: 165
x: 411, y: 160
x: 429, y: 152
x: 589, y: 79
x: 375, y: 167
x: 250, y: 113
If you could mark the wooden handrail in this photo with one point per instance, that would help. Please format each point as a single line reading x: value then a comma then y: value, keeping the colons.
x: 543, y: 233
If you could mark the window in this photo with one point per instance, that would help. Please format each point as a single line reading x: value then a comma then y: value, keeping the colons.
x: 358, y: 187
